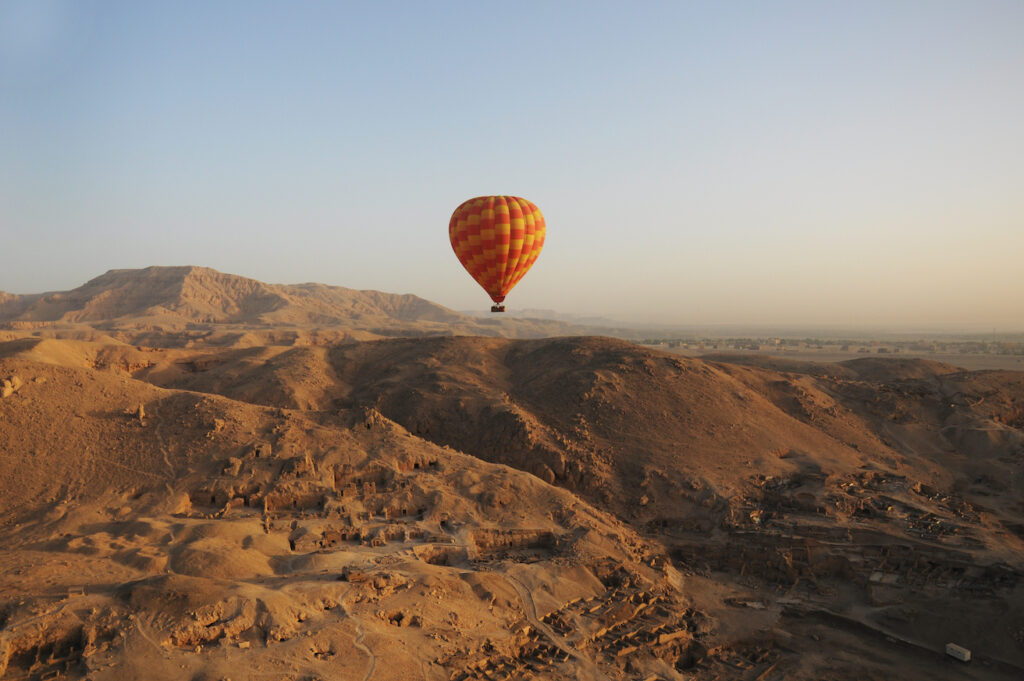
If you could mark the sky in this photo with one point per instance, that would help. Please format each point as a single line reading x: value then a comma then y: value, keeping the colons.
x: 772, y: 163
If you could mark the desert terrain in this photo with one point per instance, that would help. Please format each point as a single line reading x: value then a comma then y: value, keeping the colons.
x: 972, y: 355
x: 206, y: 477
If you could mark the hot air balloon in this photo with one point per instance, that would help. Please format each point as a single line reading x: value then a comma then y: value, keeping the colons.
x: 497, y: 239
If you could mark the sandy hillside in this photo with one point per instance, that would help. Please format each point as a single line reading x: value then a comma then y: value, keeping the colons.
x: 257, y: 494
x: 168, y: 306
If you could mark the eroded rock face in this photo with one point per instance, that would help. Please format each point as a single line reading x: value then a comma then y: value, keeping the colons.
x: 58, y: 641
x: 222, y: 620
x: 496, y: 541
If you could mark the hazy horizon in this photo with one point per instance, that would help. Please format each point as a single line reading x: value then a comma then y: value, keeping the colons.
x: 793, y: 164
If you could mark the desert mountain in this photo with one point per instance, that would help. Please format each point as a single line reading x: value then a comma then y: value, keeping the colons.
x: 203, y: 300
x: 251, y: 503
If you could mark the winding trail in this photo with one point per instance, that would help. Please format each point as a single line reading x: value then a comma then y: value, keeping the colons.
x: 11, y: 626
x: 162, y: 443
x: 359, y: 644
x: 587, y: 669
x: 164, y: 652
x: 360, y: 633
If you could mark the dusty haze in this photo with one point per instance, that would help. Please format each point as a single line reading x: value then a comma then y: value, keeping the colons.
x: 800, y: 163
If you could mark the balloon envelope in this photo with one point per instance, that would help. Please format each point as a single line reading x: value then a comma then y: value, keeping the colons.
x: 497, y: 239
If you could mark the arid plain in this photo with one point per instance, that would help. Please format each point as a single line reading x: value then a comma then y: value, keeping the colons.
x: 205, y: 477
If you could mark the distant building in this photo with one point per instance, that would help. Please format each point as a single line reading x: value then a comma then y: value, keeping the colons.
x: 959, y: 652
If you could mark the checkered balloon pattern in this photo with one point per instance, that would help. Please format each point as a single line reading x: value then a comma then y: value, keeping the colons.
x: 497, y: 239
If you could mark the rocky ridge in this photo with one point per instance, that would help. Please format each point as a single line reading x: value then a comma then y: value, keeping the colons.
x: 175, y: 303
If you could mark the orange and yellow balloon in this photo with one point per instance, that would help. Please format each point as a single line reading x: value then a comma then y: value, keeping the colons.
x: 497, y: 239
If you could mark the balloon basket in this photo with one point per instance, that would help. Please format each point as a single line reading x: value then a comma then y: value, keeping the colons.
x: 497, y: 308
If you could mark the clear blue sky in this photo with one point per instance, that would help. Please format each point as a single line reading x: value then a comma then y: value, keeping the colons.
x: 720, y: 162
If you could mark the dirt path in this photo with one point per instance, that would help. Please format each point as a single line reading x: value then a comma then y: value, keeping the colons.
x: 160, y: 439
x: 359, y: 644
x: 587, y: 670
x: 360, y: 633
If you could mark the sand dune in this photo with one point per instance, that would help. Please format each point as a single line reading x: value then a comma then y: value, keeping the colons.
x: 265, y: 500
